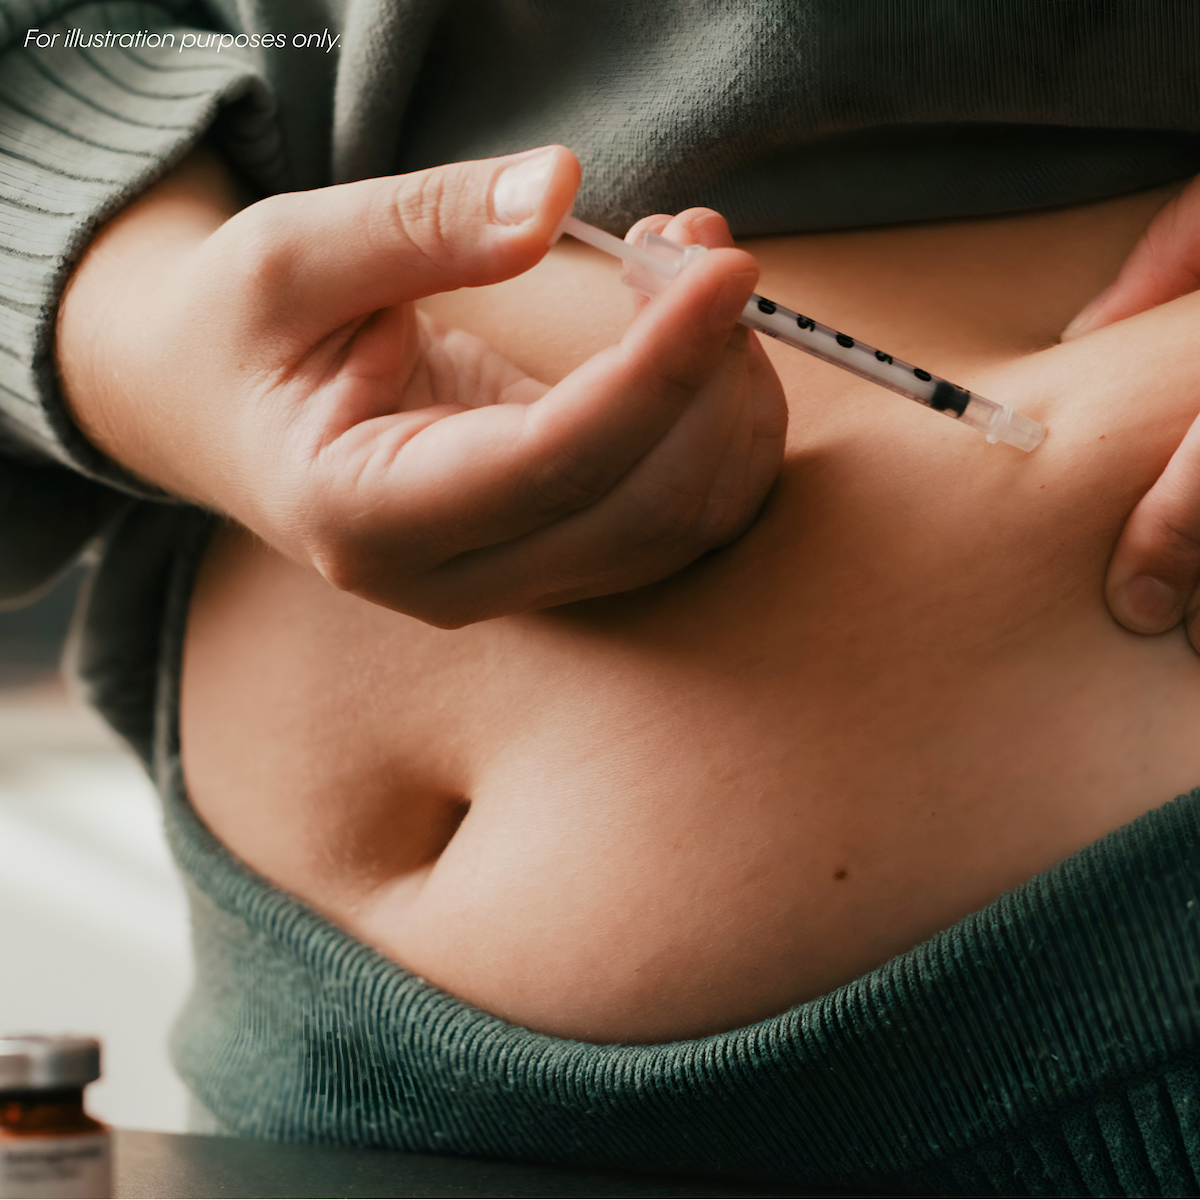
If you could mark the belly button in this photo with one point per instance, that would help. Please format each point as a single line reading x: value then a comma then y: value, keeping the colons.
x: 456, y: 815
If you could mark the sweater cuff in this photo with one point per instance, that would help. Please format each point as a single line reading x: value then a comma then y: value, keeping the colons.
x: 86, y: 124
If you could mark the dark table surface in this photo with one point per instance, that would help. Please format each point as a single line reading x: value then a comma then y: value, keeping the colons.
x: 173, y: 1165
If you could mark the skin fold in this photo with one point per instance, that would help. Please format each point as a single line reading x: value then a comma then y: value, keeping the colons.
x: 676, y: 810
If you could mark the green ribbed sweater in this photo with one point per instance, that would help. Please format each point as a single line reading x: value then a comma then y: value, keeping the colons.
x: 1043, y: 1046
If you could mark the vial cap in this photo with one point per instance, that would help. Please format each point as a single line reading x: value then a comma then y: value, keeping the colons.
x: 32, y: 1062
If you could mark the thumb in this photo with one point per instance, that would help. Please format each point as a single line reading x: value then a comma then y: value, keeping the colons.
x: 1164, y: 265
x: 1155, y: 566
x: 319, y: 259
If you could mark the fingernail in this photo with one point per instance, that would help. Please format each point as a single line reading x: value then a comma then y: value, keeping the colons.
x: 519, y: 189
x: 1086, y: 317
x: 731, y: 299
x: 1147, y: 605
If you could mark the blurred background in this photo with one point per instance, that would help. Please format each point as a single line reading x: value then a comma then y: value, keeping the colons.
x: 93, y: 922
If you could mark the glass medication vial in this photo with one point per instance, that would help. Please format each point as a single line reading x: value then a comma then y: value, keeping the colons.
x: 653, y: 264
x: 49, y: 1146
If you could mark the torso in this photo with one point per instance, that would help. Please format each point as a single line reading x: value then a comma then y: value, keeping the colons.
x: 695, y: 805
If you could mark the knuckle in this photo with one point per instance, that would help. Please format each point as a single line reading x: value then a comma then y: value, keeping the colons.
x: 416, y: 213
x: 342, y: 570
x: 451, y: 597
x: 726, y: 524
x: 565, y: 482
x: 1178, y: 538
x: 717, y: 521
x: 420, y: 597
x: 263, y: 256
x: 333, y: 544
x: 442, y: 611
x: 674, y: 518
x: 676, y: 372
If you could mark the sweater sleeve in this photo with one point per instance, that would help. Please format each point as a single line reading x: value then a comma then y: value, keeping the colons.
x: 88, y: 120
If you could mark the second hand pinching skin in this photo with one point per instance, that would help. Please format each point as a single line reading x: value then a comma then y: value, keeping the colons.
x: 653, y: 264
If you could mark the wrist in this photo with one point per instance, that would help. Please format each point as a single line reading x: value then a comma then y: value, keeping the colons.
x: 113, y: 352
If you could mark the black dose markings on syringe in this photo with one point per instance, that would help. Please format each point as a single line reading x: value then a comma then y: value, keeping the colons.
x: 946, y: 396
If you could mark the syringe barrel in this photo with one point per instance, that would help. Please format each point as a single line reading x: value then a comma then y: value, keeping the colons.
x: 652, y: 265
x: 998, y: 422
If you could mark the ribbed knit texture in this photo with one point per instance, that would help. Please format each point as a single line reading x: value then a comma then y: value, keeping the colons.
x: 1034, y: 1049
x: 809, y: 114
x: 81, y: 133
x: 1044, y: 1046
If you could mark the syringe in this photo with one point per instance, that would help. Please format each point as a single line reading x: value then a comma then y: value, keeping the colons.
x: 653, y: 264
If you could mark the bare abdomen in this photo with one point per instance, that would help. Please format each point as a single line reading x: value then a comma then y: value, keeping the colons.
x: 692, y: 806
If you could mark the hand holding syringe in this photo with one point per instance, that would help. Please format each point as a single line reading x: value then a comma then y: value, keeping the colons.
x: 654, y: 263
x: 289, y: 383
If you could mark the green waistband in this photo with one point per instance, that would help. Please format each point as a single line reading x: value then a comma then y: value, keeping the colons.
x: 1061, y: 995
